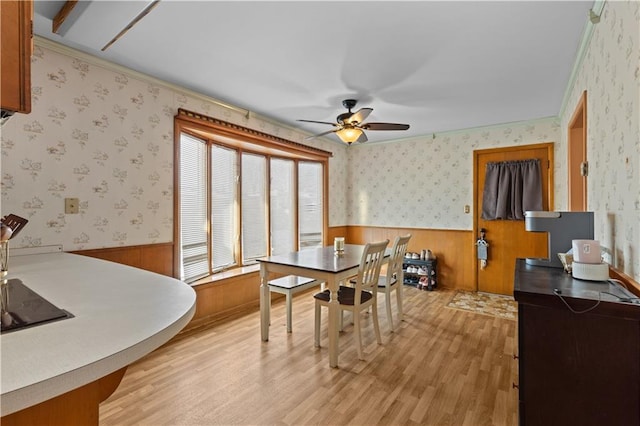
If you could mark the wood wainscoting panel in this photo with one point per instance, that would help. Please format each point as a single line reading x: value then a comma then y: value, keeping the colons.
x: 151, y: 257
x: 227, y: 297
x: 214, y: 300
x: 453, y: 248
x: 224, y: 298
x: 336, y: 231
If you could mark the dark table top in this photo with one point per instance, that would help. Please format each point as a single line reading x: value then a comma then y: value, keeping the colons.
x: 321, y: 258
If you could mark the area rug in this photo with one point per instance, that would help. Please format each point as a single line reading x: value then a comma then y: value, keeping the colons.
x: 496, y: 305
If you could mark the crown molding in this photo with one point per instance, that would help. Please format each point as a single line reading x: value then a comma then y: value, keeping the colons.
x: 440, y: 135
x: 596, y: 10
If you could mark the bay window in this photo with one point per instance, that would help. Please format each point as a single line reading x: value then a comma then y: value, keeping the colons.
x: 242, y: 195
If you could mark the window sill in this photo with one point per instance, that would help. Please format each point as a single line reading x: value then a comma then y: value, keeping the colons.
x: 231, y: 273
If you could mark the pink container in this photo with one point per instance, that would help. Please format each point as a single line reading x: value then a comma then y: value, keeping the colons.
x: 586, y: 251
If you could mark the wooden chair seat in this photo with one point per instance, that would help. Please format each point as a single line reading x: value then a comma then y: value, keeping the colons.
x: 346, y: 296
x: 289, y: 285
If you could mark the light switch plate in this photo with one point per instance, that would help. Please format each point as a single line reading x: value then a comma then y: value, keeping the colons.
x: 71, y: 205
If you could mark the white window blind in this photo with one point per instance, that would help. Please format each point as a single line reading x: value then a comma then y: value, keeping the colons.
x: 193, y: 208
x: 254, y: 207
x: 224, y: 206
x: 310, y: 189
x: 238, y: 204
x: 283, y: 208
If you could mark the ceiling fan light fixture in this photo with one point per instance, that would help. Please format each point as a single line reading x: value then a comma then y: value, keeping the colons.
x: 350, y: 126
x: 349, y: 134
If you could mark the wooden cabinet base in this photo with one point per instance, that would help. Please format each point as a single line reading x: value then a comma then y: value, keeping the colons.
x: 76, y: 407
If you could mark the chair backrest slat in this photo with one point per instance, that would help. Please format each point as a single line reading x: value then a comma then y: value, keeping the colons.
x: 394, y: 267
x: 369, y: 270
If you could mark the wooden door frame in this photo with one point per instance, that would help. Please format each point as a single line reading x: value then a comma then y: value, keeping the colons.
x: 576, y: 154
x: 476, y: 154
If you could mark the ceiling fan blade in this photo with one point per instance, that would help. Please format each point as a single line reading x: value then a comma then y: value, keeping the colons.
x: 319, y: 122
x: 359, y: 116
x: 384, y: 126
x: 362, y: 138
x: 321, y: 134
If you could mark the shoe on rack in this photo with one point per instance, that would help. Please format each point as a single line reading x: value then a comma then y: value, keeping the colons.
x: 422, y: 284
x: 415, y: 256
x: 422, y: 270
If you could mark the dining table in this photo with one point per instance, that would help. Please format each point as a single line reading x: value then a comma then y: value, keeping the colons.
x: 322, y: 264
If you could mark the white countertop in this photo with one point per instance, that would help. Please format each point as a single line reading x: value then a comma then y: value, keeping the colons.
x: 120, y: 314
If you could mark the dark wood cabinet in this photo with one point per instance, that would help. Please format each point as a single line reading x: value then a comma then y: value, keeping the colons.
x: 579, y: 350
x: 16, y: 18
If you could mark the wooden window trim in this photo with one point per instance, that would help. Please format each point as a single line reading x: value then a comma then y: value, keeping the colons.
x: 244, y: 140
x: 235, y: 135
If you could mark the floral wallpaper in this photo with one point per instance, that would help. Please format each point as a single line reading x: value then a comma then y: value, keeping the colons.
x: 104, y: 135
x: 425, y: 183
x: 610, y: 73
x: 431, y: 179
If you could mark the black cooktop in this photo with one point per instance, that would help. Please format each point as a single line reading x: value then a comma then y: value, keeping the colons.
x: 23, y: 307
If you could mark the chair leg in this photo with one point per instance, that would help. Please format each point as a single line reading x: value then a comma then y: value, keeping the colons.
x: 289, y: 313
x: 316, y: 334
x: 387, y: 302
x: 356, y: 326
x: 399, y: 296
x: 376, y: 326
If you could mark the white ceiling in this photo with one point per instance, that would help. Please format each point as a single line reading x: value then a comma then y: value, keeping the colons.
x: 438, y: 66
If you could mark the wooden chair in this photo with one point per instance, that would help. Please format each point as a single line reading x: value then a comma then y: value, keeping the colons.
x: 289, y: 285
x: 360, y: 297
x: 393, y: 279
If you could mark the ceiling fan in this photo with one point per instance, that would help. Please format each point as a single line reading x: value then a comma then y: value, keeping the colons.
x: 349, y: 126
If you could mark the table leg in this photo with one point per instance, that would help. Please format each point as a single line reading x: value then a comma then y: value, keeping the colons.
x: 264, y: 302
x: 334, y: 312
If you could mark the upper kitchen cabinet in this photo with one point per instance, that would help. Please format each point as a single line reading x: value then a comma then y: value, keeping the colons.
x: 15, y: 61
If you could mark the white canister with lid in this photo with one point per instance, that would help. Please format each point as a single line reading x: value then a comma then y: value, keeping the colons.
x: 586, y: 251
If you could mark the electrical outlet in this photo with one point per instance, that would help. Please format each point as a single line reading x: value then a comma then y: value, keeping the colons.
x: 71, y: 205
x: 467, y: 209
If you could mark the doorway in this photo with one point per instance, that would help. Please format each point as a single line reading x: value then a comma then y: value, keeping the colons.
x: 577, y: 161
x: 508, y: 239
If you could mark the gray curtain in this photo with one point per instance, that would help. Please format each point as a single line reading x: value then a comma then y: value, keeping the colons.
x: 510, y: 189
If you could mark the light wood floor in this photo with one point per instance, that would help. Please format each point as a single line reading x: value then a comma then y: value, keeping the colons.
x: 441, y: 367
